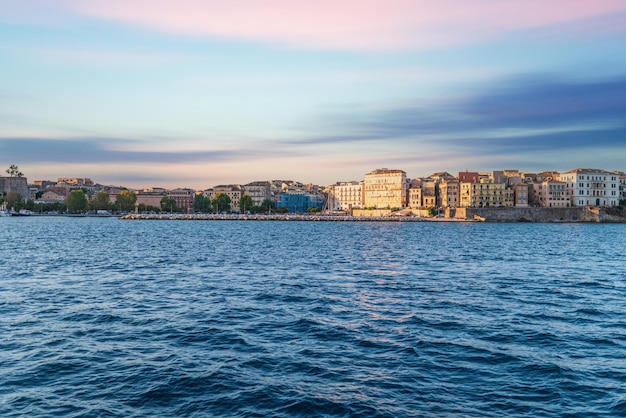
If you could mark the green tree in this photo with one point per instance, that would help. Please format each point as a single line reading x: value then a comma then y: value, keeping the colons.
x: 126, y: 200
x: 221, y: 202
x: 14, y: 171
x: 246, y: 204
x: 267, y: 205
x: 169, y: 205
x: 12, y: 198
x: 101, y: 200
x: 77, y: 201
x: 201, y: 203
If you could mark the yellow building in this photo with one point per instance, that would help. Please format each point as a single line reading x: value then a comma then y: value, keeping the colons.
x: 384, y: 188
x: 485, y: 194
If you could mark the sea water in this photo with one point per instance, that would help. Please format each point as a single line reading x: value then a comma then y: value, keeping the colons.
x: 103, y: 317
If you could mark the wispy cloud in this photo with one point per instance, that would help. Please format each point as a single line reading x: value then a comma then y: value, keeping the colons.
x: 349, y: 24
x: 103, y: 151
x: 529, y: 114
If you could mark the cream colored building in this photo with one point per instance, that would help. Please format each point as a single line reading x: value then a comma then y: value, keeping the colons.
x: 345, y: 196
x: 232, y: 191
x: 485, y: 194
x: 449, y: 192
x: 385, y: 188
x: 258, y: 191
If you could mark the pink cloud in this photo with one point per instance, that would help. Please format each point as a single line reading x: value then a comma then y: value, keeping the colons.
x: 361, y: 25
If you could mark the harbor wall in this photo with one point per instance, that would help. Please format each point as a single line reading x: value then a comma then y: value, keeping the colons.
x: 533, y: 214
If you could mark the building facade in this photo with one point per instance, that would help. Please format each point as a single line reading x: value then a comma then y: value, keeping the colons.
x: 258, y: 191
x: 300, y: 202
x: 591, y: 187
x: 385, y: 189
x: 485, y: 194
x: 183, y: 198
x: 345, y: 196
x: 551, y: 194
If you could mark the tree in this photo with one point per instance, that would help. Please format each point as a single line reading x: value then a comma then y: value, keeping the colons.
x: 101, y: 200
x: 126, y: 200
x: 245, y: 203
x: 169, y: 205
x: 12, y: 198
x: 77, y: 201
x: 14, y: 171
x: 201, y: 203
x: 267, y: 205
x: 221, y: 202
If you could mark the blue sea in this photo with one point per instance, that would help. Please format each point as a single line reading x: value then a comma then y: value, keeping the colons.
x: 111, y: 318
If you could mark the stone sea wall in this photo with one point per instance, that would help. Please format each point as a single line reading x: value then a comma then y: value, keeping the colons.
x: 537, y: 215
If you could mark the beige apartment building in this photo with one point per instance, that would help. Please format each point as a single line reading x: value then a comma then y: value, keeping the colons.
x: 449, y: 192
x: 385, y: 189
x: 550, y: 194
x: 231, y: 190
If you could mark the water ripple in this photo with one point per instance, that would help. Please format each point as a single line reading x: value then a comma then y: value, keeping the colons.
x: 251, y: 319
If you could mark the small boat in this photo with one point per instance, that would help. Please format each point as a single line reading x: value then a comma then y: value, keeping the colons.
x: 4, y: 213
x: 22, y: 212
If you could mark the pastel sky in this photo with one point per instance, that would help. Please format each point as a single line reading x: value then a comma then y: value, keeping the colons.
x: 195, y: 93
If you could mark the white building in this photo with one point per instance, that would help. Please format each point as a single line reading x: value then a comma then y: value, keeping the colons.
x: 591, y: 187
x: 345, y: 196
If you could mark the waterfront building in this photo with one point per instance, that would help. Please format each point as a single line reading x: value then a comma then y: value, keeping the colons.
x: 233, y: 191
x: 448, y: 192
x: 150, y: 198
x: 485, y: 194
x: 429, y: 192
x: 551, y: 194
x: 622, y: 187
x: 520, y: 194
x: 345, y: 196
x: 183, y: 198
x: 54, y: 195
x: 415, y: 194
x: 258, y: 191
x: 385, y: 189
x: 591, y: 187
x: 300, y: 202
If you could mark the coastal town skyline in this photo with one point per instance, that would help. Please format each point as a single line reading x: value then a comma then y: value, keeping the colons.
x: 205, y: 92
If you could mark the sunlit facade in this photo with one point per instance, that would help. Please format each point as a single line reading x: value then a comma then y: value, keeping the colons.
x: 385, y: 189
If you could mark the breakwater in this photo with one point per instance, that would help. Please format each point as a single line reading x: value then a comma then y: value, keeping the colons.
x: 592, y: 215
x: 281, y: 217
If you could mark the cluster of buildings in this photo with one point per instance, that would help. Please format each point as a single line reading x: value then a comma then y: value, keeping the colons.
x: 293, y: 195
x: 392, y: 189
x: 380, y: 189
